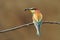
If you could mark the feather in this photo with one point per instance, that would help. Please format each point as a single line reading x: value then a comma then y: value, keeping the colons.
x: 37, y: 20
x: 38, y: 27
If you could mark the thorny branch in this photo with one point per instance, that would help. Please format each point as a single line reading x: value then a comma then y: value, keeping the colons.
x: 25, y: 25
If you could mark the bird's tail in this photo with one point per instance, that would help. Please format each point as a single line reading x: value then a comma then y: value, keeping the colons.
x: 38, y: 31
x: 38, y: 27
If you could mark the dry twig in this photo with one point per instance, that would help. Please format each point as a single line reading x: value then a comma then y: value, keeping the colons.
x: 25, y: 25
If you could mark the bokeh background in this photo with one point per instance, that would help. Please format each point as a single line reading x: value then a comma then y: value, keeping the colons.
x: 12, y: 14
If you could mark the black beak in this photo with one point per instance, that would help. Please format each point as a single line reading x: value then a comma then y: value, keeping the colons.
x: 26, y: 9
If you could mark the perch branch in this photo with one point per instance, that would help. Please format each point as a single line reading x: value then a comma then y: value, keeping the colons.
x: 25, y: 25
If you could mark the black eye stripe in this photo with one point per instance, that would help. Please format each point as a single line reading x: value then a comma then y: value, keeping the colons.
x: 30, y: 9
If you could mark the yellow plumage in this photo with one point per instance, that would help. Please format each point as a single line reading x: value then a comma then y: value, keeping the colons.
x: 37, y: 17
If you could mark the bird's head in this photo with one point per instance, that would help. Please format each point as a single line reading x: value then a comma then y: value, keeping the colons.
x: 33, y: 10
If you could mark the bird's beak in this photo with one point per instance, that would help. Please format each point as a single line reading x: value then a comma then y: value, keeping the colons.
x: 27, y: 9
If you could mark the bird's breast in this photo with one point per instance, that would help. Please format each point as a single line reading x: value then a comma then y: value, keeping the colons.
x: 37, y: 17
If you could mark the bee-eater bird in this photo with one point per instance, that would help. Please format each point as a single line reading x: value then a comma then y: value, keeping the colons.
x: 37, y: 18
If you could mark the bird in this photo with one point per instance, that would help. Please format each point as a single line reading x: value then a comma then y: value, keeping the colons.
x: 37, y: 18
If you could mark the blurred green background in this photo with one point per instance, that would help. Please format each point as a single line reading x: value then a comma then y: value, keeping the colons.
x: 12, y: 14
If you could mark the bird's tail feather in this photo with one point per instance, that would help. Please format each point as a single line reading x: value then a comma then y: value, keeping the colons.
x: 38, y: 32
x: 38, y: 27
